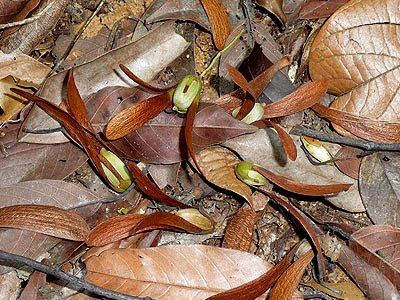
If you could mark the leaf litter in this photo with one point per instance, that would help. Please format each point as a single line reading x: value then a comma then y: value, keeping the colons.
x: 184, y: 220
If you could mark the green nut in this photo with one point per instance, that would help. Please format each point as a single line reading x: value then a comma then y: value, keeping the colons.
x: 187, y: 91
x: 244, y: 171
x: 121, y: 181
x: 256, y: 113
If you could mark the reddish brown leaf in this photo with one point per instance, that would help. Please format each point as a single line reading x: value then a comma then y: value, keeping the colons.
x: 258, y: 286
x: 147, y: 87
x: 287, y: 142
x: 136, y: 116
x: 190, y: 117
x: 161, y: 140
x: 150, y: 189
x: 220, y: 27
x: 383, y: 245
x: 316, y: 9
x: 288, y: 282
x: 377, y: 131
x: 304, y: 97
x: 49, y: 220
x: 10, y: 9
x: 112, y: 230
x: 302, y: 188
x: 241, y: 81
x: 31, y: 291
x: 239, y: 231
x: 275, y: 7
x: 346, y: 160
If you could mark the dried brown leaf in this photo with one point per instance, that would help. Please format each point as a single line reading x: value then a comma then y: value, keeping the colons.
x: 218, y: 166
x: 346, y: 160
x: 287, y: 283
x: 218, y: 18
x: 239, y: 231
x: 194, y: 271
x: 357, y: 51
x: 316, y: 9
x: 44, y: 219
x: 275, y: 7
x: 380, y: 187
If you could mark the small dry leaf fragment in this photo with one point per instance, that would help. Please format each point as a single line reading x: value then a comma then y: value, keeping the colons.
x: 287, y: 284
x: 218, y: 167
x: 44, y: 219
x: 220, y: 27
x: 239, y: 231
x: 195, y: 217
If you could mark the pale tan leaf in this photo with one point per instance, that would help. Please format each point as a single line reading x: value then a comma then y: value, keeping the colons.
x: 357, y: 50
x: 218, y: 166
x: 174, y: 272
x: 45, y: 219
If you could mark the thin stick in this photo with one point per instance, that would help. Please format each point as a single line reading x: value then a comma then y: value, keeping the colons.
x: 76, y: 38
x: 74, y: 281
x: 335, y: 138
x: 219, y: 54
x: 27, y: 20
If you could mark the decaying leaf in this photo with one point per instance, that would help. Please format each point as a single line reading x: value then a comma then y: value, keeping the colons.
x: 146, y: 57
x: 358, y: 52
x: 380, y: 187
x: 287, y: 283
x: 275, y: 7
x: 217, y: 164
x: 45, y: 219
x: 257, y: 148
x: 180, y: 272
x: 316, y: 9
x: 239, y: 231
x: 347, y: 161
x: 382, y: 242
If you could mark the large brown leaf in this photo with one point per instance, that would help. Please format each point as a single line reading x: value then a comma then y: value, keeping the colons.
x: 25, y: 162
x: 44, y: 192
x: 161, y: 139
x: 146, y: 57
x: 217, y: 164
x: 174, y: 272
x: 258, y: 148
x: 46, y: 219
x: 357, y: 50
x: 380, y: 187
x: 383, y: 243
x: 316, y: 9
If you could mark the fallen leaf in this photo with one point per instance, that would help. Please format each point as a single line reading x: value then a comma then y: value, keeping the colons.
x: 357, y: 51
x: 42, y: 192
x: 346, y: 160
x: 217, y: 164
x: 287, y: 283
x: 275, y: 7
x: 380, y: 187
x: 36, y: 281
x: 257, y: 148
x: 161, y: 139
x: 316, y: 9
x: 138, y: 56
x: 346, y: 290
x: 164, y: 175
x: 239, y: 231
x: 193, y: 271
x: 45, y: 219
x: 382, y: 242
x: 10, y: 285
x: 10, y: 8
x: 24, y: 162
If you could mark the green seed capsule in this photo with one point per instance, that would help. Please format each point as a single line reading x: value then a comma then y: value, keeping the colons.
x: 256, y: 113
x: 246, y: 174
x: 187, y: 91
x: 119, y: 166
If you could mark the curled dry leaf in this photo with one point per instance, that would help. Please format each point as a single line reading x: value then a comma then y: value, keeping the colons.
x: 194, y: 271
x: 275, y: 7
x: 49, y: 220
x: 287, y: 283
x: 380, y: 187
x: 218, y: 17
x: 218, y: 167
x: 383, y: 245
x: 239, y: 231
x: 357, y: 50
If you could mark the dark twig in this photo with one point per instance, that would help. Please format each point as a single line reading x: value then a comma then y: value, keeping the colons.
x: 74, y: 281
x: 335, y: 138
